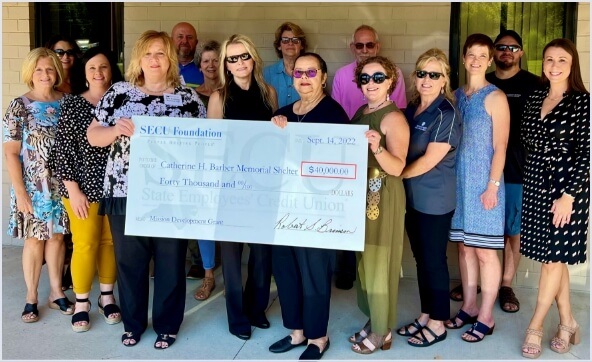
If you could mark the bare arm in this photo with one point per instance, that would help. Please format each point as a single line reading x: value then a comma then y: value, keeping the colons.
x: 395, y: 128
x: 435, y: 152
x: 215, y: 106
x: 104, y: 136
x: 12, y: 151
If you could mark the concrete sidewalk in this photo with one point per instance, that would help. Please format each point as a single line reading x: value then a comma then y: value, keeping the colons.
x: 204, y: 333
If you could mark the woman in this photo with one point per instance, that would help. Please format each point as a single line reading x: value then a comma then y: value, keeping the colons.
x: 380, y: 263
x: 68, y: 52
x: 289, y: 43
x: 208, y: 61
x: 36, y: 211
x: 430, y: 188
x: 303, y: 275
x: 244, y: 96
x: 81, y: 169
x: 478, y: 222
x: 152, y: 73
x: 556, y: 202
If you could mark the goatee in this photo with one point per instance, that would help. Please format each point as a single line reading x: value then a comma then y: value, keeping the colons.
x: 504, y: 64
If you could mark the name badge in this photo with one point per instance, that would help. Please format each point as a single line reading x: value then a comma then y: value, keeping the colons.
x: 172, y: 100
x: 182, y: 80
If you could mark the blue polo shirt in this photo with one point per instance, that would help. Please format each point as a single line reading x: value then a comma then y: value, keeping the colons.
x: 434, y: 192
x: 276, y: 76
x: 191, y: 74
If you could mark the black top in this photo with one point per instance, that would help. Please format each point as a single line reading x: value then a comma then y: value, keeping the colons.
x: 434, y: 192
x: 246, y: 104
x: 517, y: 90
x: 327, y: 111
x: 75, y: 159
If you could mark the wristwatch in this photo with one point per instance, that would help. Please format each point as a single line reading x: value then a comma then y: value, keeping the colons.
x: 378, y: 150
x: 496, y: 183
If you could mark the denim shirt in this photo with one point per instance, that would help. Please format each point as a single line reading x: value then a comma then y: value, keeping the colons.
x: 276, y: 76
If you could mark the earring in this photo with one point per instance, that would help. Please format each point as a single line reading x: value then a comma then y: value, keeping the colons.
x: 86, y: 83
x: 324, y: 85
x: 388, y: 98
x: 442, y: 90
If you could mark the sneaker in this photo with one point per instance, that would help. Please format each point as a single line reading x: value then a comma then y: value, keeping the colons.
x: 196, y: 272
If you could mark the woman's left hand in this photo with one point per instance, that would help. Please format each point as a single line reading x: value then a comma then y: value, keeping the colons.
x: 489, y: 197
x: 561, y: 209
x: 373, y: 140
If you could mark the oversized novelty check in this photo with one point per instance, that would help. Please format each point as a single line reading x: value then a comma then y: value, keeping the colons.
x: 248, y: 181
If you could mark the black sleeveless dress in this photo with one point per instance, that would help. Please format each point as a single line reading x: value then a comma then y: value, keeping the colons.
x: 246, y: 104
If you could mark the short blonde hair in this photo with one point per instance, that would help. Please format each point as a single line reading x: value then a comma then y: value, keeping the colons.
x: 438, y: 56
x: 30, y: 64
x: 135, y: 74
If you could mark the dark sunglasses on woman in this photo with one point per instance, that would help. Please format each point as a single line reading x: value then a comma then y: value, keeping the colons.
x: 235, y: 58
x: 294, y: 40
x: 311, y: 73
x: 433, y: 75
x: 61, y: 52
x: 377, y: 77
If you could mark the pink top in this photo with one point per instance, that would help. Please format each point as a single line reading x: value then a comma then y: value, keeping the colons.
x: 350, y: 97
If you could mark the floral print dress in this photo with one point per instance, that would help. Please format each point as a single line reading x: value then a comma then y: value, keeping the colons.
x: 34, y: 124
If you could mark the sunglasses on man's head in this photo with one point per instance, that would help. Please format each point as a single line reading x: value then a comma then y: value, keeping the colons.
x: 432, y: 75
x: 310, y: 73
x: 377, y: 77
x: 294, y: 40
x: 361, y: 46
x: 235, y: 58
x: 61, y: 52
x: 512, y: 48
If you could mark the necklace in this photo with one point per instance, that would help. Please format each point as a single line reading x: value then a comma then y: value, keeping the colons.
x: 555, y: 99
x: 378, y: 106
x: 155, y: 91
x: 303, y: 116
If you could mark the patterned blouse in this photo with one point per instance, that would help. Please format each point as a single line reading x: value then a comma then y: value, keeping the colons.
x: 74, y: 158
x: 124, y: 100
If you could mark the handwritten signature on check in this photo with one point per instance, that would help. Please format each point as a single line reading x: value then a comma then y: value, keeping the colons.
x: 319, y: 226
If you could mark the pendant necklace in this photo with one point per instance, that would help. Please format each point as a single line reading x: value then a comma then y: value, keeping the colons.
x: 378, y: 106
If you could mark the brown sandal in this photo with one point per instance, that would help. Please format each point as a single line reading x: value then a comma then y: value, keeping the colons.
x: 560, y: 345
x: 372, y: 343
x: 507, y: 296
x: 203, y: 292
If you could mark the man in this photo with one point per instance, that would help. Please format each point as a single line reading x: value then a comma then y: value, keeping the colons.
x: 364, y: 45
x: 185, y: 39
x: 517, y: 84
x: 345, y: 91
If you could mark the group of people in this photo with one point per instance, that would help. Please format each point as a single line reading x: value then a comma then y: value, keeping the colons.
x: 506, y: 155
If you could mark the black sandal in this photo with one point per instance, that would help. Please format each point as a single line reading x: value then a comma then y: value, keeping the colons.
x: 109, y: 309
x: 464, y: 317
x: 507, y: 296
x: 415, y: 325
x: 130, y: 336
x: 424, y: 340
x: 82, y: 316
x: 166, y: 338
x: 64, y: 305
x: 30, y: 308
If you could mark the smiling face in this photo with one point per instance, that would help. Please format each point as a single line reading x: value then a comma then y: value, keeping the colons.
x: 242, y: 68
x: 557, y: 64
x: 477, y: 59
x: 507, y: 59
x: 154, y: 62
x: 290, y: 50
x: 45, y: 74
x: 375, y: 92
x: 98, y: 72
x: 429, y: 88
x: 364, y: 36
x: 209, y: 64
x: 309, y: 87
x: 66, y: 59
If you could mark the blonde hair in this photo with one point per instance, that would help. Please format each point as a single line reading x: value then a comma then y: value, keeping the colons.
x: 432, y: 55
x: 135, y: 74
x: 226, y: 78
x: 30, y: 64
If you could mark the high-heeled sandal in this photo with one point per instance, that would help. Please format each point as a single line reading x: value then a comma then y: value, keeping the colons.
x: 109, y: 309
x: 81, y: 316
x: 560, y: 345
x: 373, y: 342
x: 536, y: 347
x: 359, y: 336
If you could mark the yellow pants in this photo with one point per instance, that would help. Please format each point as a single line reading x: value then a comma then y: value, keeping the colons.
x: 93, y: 249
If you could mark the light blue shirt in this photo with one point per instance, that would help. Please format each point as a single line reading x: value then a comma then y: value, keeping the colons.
x: 276, y: 76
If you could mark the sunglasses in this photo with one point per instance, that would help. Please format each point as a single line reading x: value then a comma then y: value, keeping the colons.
x: 310, y: 73
x: 235, y: 58
x: 295, y: 40
x: 61, y: 52
x: 377, y: 77
x: 361, y: 46
x: 433, y: 75
x: 503, y: 48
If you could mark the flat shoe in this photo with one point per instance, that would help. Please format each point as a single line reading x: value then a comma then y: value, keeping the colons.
x: 205, y: 290
x: 459, y: 290
x: 244, y: 336
x: 507, y: 296
x: 415, y: 325
x: 313, y: 352
x: 424, y: 340
x: 285, y: 345
x: 166, y: 338
x: 64, y: 305
x: 30, y: 308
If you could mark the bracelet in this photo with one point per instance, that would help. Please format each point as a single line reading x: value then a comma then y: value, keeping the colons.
x: 496, y: 183
x: 378, y: 150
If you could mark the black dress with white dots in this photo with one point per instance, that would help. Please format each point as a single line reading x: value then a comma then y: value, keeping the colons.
x: 558, y: 162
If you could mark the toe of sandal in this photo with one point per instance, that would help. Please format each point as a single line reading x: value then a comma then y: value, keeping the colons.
x: 30, y: 313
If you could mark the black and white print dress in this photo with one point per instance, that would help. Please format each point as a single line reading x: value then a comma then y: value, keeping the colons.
x: 558, y: 161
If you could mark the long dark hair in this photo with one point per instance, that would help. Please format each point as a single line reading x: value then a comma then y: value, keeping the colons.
x: 79, y: 80
x: 68, y: 39
x: 574, y: 81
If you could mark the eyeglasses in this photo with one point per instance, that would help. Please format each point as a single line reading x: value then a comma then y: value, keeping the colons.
x: 433, y: 75
x: 512, y: 48
x: 235, y: 58
x: 61, y: 52
x: 377, y: 77
x: 294, y: 40
x: 310, y: 73
x: 361, y: 46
